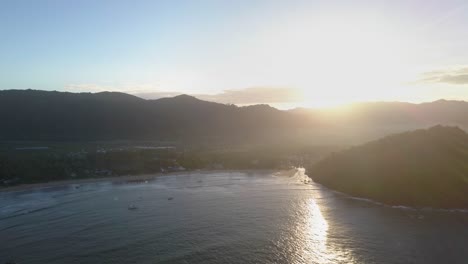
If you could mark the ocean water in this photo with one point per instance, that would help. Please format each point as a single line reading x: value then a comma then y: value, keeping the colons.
x: 227, y: 217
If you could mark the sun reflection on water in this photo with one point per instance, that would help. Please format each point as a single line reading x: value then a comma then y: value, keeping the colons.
x: 316, y: 247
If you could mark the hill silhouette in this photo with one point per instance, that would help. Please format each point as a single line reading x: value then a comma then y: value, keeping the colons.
x: 423, y: 168
x: 50, y: 115
x: 43, y: 115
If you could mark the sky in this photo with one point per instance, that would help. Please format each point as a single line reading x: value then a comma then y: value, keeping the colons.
x: 302, y: 53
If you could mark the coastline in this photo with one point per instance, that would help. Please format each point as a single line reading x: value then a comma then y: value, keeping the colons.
x: 286, y: 173
x: 138, y: 177
x: 394, y: 206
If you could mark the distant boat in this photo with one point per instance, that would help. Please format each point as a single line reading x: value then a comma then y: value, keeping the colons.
x: 132, y: 207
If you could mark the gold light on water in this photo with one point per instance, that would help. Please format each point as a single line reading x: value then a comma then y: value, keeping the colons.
x: 316, y: 247
x: 315, y: 233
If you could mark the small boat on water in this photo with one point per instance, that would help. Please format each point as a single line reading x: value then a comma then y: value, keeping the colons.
x: 132, y: 207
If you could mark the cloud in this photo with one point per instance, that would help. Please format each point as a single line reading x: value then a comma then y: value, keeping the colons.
x: 455, y: 75
x: 255, y: 95
x: 87, y: 88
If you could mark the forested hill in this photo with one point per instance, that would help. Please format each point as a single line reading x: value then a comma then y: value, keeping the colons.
x: 43, y: 115
x: 49, y: 115
x: 424, y: 168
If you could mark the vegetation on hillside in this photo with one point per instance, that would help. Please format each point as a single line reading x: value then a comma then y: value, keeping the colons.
x: 62, y: 116
x: 59, y: 116
x: 31, y: 162
x: 423, y: 168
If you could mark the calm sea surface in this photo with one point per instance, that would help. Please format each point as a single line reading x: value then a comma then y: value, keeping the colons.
x: 229, y: 217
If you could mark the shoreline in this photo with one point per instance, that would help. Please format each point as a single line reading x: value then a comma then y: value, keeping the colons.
x: 138, y: 177
x: 394, y: 206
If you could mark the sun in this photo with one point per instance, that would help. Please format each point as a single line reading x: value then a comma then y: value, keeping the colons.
x: 351, y: 60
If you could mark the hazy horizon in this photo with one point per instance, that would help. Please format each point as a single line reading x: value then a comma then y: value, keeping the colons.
x: 220, y: 98
x: 314, y: 53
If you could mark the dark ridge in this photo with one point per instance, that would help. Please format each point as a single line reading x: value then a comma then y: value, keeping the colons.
x: 52, y: 115
x: 185, y: 97
x: 422, y: 168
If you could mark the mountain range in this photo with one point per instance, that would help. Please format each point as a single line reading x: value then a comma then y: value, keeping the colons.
x: 51, y: 115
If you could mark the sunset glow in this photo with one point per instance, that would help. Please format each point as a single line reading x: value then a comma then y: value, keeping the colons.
x: 321, y: 53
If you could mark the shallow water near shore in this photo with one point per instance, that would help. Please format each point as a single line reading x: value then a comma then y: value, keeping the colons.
x: 220, y: 217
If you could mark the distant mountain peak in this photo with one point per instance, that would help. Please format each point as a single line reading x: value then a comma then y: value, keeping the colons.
x: 440, y: 129
x: 445, y: 101
x: 260, y: 107
x: 185, y: 97
x: 114, y: 95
